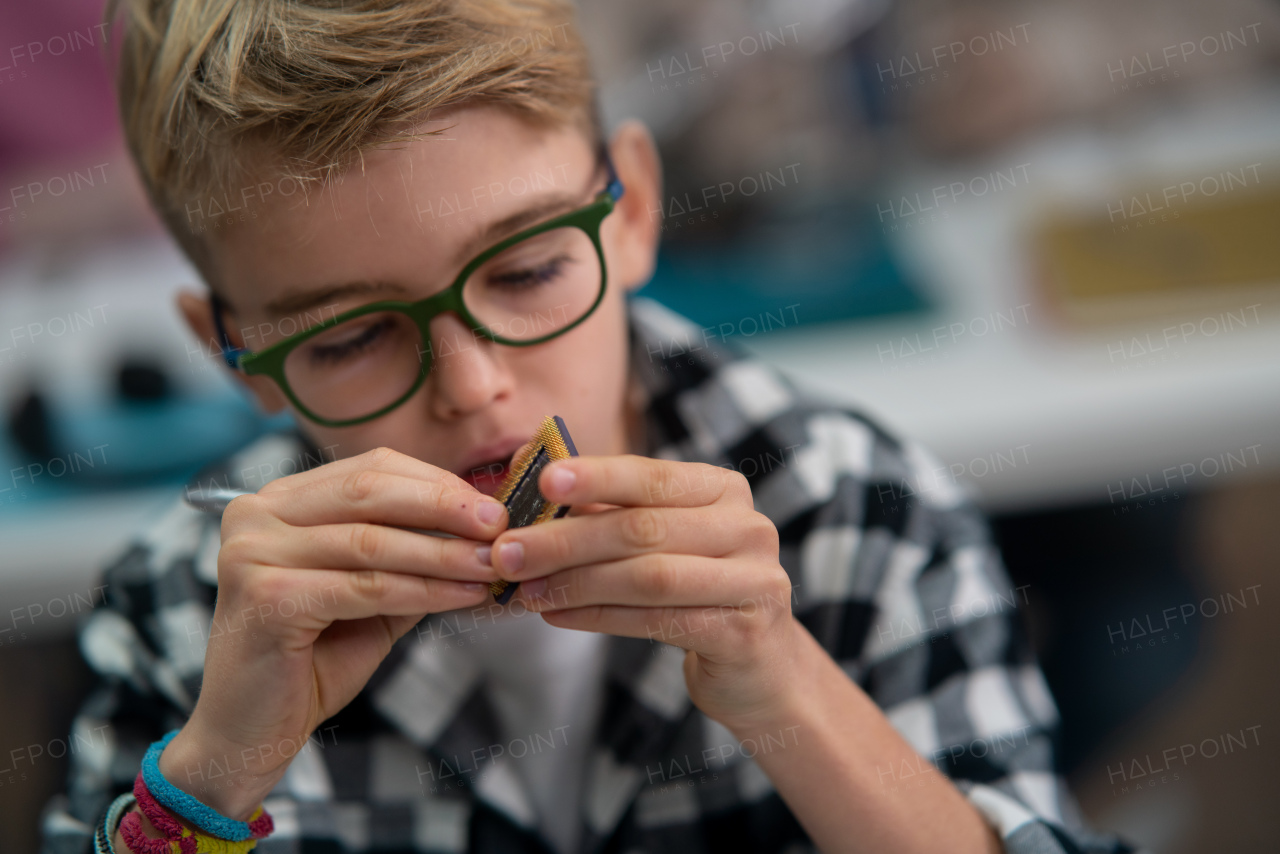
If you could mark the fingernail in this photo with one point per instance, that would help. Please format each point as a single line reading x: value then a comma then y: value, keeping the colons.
x: 532, y: 591
x: 562, y: 479
x: 484, y: 554
x: 512, y: 556
x: 475, y: 586
x: 488, y: 511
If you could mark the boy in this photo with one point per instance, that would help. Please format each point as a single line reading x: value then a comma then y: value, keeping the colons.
x: 785, y: 662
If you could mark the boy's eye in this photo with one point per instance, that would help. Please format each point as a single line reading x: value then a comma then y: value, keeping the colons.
x: 532, y: 276
x: 349, y: 340
x: 537, y: 285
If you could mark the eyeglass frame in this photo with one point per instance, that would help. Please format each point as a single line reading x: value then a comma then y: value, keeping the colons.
x: 270, y: 361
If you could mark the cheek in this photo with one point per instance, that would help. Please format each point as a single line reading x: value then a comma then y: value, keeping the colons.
x: 619, y: 254
x: 401, y: 429
x: 342, y: 442
x: 582, y: 378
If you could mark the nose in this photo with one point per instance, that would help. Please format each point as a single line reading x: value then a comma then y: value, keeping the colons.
x: 465, y: 375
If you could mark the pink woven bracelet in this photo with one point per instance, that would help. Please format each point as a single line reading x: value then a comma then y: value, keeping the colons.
x: 262, y: 826
x: 139, y: 843
x: 156, y: 814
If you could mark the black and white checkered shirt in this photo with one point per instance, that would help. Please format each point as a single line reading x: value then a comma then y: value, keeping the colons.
x: 894, y: 573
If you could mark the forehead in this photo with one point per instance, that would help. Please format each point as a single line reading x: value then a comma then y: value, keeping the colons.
x: 400, y: 213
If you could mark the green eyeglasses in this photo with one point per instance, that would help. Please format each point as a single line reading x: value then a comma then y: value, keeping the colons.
x: 528, y: 288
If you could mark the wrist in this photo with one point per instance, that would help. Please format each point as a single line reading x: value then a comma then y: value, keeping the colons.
x: 791, y: 689
x: 229, y: 778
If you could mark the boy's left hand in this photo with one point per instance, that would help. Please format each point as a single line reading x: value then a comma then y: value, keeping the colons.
x: 681, y: 557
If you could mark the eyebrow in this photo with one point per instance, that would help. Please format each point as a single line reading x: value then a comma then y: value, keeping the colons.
x: 488, y: 236
x: 507, y: 226
x: 294, y: 303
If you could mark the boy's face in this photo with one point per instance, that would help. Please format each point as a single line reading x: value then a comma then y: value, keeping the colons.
x: 401, y: 226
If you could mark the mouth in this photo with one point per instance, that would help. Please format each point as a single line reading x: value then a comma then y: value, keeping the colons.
x: 488, y: 467
x: 487, y: 477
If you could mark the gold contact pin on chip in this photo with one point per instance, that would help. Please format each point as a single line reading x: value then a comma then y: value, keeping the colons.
x: 519, y: 490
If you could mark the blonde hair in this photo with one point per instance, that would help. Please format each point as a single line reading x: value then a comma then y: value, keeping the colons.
x: 207, y: 87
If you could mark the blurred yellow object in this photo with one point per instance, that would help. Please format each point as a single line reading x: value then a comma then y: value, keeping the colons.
x: 1163, y: 252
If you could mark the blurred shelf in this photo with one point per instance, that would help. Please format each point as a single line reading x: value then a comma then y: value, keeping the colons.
x: 992, y: 371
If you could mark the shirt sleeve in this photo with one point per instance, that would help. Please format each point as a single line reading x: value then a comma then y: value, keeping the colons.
x: 145, y: 646
x: 907, y: 591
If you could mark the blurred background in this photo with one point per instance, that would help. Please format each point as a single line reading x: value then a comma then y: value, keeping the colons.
x: 1041, y: 238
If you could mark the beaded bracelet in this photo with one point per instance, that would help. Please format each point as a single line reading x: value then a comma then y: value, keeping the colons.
x: 206, y: 818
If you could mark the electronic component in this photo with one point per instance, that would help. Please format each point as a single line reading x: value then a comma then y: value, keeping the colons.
x: 519, y: 490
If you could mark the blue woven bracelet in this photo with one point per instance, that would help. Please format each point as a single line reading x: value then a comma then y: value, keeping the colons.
x: 106, y: 829
x: 179, y: 802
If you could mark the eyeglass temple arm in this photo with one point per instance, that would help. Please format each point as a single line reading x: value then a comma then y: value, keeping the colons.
x: 614, y: 187
x: 230, y: 353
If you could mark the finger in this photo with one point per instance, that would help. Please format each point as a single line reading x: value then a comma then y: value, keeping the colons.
x: 587, y: 509
x: 360, y: 545
x: 370, y: 495
x: 539, y: 550
x: 378, y: 459
x: 657, y: 580
x: 317, y: 597
x: 635, y: 481
x: 689, y: 628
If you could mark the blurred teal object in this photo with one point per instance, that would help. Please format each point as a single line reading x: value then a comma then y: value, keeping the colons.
x: 132, y: 444
x: 826, y: 263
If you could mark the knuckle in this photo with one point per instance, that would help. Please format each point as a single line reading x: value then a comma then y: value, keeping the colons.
x: 668, y: 618
x: 748, y: 639
x: 783, y: 588
x: 643, y: 527
x: 661, y: 580
x: 265, y: 587
x: 660, y: 476
x: 711, y: 623
x: 280, y: 484
x: 356, y: 488
x: 737, y: 487
x: 763, y: 534
x: 431, y: 496
x: 710, y: 476
x: 771, y: 604
x: 369, y: 583
x: 367, y: 543
x: 240, y: 512
x: 430, y: 591
x: 381, y: 456
x: 569, y: 587
x: 237, y: 549
x: 558, y: 546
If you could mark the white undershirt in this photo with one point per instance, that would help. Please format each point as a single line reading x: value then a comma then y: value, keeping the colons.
x: 548, y: 681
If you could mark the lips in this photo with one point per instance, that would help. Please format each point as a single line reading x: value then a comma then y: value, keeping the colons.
x: 486, y: 468
x: 487, y: 477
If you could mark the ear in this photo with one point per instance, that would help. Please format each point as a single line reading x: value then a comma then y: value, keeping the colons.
x: 637, y: 226
x: 197, y: 311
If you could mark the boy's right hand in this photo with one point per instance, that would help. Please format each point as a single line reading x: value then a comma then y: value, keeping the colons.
x: 316, y: 581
